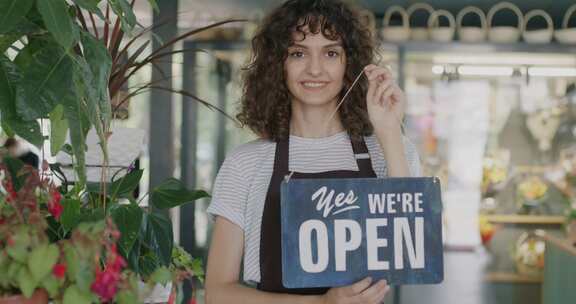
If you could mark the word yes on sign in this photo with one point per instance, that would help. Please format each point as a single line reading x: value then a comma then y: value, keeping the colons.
x: 338, y: 231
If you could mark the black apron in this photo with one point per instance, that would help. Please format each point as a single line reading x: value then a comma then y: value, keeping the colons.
x: 270, y: 243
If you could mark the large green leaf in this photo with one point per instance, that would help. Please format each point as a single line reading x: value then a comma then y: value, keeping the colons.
x: 161, y: 275
x: 93, y: 73
x: 159, y: 236
x: 7, y: 40
x: 58, y: 21
x: 14, y: 166
x: 9, y: 78
x: 58, y: 129
x: 26, y: 282
x: 128, y: 219
x: 42, y: 259
x: 172, y: 193
x: 123, y: 10
x: 91, y: 6
x: 73, y: 295
x: 11, y: 12
x: 100, y: 64
x: 125, y: 185
x: 79, y: 125
x: 19, y: 250
x: 26, y: 55
x: 71, y: 213
x: 154, y: 5
x: 46, y: 81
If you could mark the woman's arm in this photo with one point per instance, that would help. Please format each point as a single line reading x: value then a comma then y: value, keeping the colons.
x: 393, y: 149
x: 223, y: 272
x: 385, y: 103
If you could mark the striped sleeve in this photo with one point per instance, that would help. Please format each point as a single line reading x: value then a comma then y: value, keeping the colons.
x: 230, y: 192
x: 412, y: 157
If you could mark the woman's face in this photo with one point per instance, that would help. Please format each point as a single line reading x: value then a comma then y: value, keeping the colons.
x: 315, y: 69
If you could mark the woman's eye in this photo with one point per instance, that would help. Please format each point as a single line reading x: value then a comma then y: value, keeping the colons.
x: 297, y: 54
x: 333, y: 54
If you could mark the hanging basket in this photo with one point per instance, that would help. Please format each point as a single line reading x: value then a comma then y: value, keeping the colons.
x: 395, y: 33
x: 504, y: 34
x: 471, y: 33
x: 441, y: 33
x: 419, y: 33
x: 541, y: 35
x: 567, y: 35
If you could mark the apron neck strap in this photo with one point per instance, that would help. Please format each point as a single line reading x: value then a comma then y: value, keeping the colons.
x: 281, y: 159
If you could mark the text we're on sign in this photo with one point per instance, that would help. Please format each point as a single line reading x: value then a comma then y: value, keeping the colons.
x: 338, y: 231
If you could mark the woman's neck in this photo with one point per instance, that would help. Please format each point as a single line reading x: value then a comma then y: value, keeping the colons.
x: 311, y: 121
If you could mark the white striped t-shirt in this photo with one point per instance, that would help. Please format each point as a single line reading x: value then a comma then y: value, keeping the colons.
x: 241, y: 185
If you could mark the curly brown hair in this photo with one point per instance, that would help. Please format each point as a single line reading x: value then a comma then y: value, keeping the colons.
x: 265, y: 103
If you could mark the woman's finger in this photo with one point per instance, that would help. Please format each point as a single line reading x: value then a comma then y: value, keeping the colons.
x: 378, y: 97
x: 358, y: 287
x: 379, y: 73
x: 373, y: 293
x: 387, y: 94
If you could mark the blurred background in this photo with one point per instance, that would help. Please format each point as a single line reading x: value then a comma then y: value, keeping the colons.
x: 491, y: 107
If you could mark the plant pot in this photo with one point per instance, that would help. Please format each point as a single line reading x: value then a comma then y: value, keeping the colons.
x: 157, y: 294
x: 38, y: 297
x: 571, y: 231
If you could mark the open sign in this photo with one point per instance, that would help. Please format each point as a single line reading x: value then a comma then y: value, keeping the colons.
x: 338, y: 231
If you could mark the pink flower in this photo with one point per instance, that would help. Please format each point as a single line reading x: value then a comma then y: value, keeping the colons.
x: 106, y: 281
x: 105, y: 284
x: 59, y: 270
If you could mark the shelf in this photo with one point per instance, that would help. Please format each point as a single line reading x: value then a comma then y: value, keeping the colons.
x: 511, y: 277
x: 525, y: 219
x: 483, y: 47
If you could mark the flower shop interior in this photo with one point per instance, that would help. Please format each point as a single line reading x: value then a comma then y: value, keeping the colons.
x: 491, y: 107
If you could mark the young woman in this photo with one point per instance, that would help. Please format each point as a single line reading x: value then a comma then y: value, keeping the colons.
x: 306, y: 56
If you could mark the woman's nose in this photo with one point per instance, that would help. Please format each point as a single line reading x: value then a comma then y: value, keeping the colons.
x: 315, y: 66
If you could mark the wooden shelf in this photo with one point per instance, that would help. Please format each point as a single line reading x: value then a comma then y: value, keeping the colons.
x: 511, y: 277
x: 525, y: 219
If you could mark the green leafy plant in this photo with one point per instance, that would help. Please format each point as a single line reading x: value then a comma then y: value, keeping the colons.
x: 56, y: 65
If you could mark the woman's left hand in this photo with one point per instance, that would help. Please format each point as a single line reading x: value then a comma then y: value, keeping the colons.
x: 385, y: 100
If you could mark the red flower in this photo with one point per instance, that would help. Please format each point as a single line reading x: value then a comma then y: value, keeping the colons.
x: 192, y: 301
x: 55, y: 209
x: 56, y: 197
x: 12, y: 194
x: 59, y: 270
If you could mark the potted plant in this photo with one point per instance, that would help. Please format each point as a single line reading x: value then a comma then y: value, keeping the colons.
x: 84, y: 268
x: 54, y: 66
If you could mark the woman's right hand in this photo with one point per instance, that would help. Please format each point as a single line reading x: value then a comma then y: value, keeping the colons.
x: 358, y: 293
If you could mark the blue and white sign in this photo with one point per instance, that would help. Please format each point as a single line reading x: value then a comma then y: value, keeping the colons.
x: 338, y: 231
